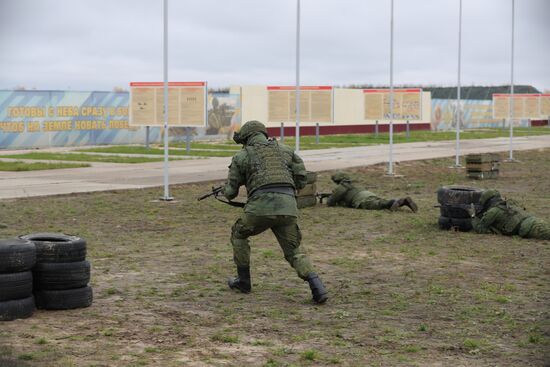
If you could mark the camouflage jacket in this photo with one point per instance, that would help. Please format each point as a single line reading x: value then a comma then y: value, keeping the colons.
x: 504, y: 219
x: 264, y: 204
x: 348, y: 195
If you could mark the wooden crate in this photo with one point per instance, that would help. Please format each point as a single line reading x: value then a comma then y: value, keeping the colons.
x: 306, y: 201
x: 308, y: 190
x: 482, y: 158
x: 482, y: 167
x: 311, y: 177
x: 483, y: 175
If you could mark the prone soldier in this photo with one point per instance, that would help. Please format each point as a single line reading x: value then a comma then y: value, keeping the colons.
x: 503, y: 217
x: 271, y: 173
x: 348, y: 195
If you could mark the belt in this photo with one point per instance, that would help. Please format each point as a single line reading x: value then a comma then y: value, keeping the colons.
x: 287, y: 190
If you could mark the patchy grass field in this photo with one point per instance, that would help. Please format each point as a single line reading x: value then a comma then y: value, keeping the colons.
x: 228, y: 148
x: 23, y: 166
x: 402, y: 292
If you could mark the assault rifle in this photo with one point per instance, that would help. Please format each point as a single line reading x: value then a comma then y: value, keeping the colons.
x: 323, y: 195
x: 216, y: 191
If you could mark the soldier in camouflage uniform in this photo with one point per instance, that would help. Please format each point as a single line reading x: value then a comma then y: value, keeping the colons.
x: 271, y: 173
x: 500, y: 216
x: 348, y: 195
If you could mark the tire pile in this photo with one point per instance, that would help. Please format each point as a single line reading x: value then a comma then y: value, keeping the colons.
x: 17, y: 257
x: 454, y: 202
x: 46, y: 269
x: 306, y: 197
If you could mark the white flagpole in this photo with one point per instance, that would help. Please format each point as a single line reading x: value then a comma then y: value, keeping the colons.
x: 390, y: 162
x: 511, y: 104
x: 297, y: 149
x: 458, y: 101
x: 166, y: 188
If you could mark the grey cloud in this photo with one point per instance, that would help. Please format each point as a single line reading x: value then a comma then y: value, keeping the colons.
x: 100, y: 44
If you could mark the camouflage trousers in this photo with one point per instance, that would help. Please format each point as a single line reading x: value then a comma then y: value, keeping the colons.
x: 375, y: 203
x: 539, y: 230
x: 286, y: 231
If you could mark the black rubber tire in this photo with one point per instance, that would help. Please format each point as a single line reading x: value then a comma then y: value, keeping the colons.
x: 64, y: 299
x: 461, y: 224
x: 16, y: 255
x: 57, y: 247
x: 17, y: 309
x: 449, y: 195
x: 15, y: 285
x: 59, y: 276
x: 456, y: 212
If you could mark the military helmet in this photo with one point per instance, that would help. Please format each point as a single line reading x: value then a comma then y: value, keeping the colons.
x: 339, y: 177
x: 488, y: 195
x: 249, y: 128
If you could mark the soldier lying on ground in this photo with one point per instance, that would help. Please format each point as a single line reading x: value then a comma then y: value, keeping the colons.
x: 348, y: 195
x: 271, y: 173
x: 504, y: 217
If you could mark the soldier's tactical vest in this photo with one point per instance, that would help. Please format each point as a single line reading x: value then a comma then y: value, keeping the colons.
x: 350, y: 194
x: 511, y: 218
x: 268, y: 166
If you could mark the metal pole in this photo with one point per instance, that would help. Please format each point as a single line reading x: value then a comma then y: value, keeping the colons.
x: 297, y: 149
x: 390, y: 163
x: 166, y: 190
x: 147, y: 137
x: 458, y: 101
x: 376, y: 128
x: 317, y: 133
x: 282, y: 133
x: 511, y: 158
x: 187, y: 140
x: 408, y: 132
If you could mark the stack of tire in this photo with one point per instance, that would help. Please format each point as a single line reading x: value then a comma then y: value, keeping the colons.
x: 17, y: 257
x: 61, y: 274
x: 306, y: 197
x: 454, y: 203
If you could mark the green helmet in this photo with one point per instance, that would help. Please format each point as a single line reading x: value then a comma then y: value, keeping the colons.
x: 247, y: 130
x: 488, y: 195
x: 339, y: 177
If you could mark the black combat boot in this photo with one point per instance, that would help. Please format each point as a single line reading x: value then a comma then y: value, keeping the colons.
x: 407, y: 201
x: 318, y: 290
x: 242, y: 281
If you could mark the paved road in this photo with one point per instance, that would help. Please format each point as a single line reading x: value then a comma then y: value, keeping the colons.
x: 109, y: 176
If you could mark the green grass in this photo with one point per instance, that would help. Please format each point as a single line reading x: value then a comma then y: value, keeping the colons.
x: 228, y: 148
x: 23, y: 166
x: 327, y: 141
x: 401, y: 291
x: 81, y: 157
x: 157, y: 151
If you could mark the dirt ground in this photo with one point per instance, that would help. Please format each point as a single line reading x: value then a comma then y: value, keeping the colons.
x: 402, y: 292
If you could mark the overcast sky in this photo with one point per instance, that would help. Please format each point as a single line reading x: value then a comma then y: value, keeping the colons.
x: 100, y: 44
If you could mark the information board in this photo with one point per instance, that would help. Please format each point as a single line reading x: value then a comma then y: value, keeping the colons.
x: 186, y: 103
x: 526, y: 106
x: 545, y: 106
x: 407, y: 104
x: 316, y: 104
